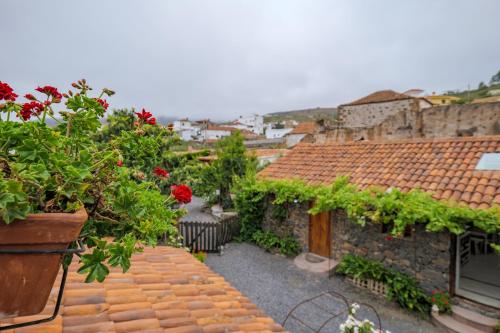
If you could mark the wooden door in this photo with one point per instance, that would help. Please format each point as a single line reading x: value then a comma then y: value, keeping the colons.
x: 320, y: 234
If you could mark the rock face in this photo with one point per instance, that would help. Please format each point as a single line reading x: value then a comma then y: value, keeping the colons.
x: 423, y: 255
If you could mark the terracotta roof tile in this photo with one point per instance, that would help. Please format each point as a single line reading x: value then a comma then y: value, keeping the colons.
x: 438, y: 166
x: 165, y: 290
x: 304, y: 128
x: 379, y: 97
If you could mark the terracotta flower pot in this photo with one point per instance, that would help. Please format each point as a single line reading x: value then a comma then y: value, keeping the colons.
x: 27, y: 279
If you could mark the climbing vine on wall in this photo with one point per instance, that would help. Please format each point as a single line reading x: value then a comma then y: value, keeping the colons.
x: 399, y: 209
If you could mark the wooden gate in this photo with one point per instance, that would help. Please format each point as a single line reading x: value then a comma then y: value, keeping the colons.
x: 208, y: 236
x: 320, y: 234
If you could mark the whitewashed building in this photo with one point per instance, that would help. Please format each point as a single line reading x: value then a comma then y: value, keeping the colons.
x: 186, y: 130
x: 274, y: 133
x: 214, y: 132
x: 253, y: 123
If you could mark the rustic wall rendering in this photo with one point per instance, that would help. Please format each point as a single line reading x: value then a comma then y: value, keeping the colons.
x: 423, y: 255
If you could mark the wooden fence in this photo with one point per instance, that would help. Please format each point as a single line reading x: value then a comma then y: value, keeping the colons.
x: 208, y: 236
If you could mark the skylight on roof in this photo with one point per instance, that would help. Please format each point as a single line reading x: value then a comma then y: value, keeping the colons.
x: 489, y: 161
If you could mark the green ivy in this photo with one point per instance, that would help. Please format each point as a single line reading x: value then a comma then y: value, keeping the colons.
x: 401, y: 287
x: 399, y: 209
x: 279, y: 212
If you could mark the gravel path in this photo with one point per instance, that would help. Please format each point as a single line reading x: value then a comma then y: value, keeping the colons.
x: 276, y: 285
x: 196, y: 213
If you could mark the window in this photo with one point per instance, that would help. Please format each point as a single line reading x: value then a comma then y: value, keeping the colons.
x: 489, y: 161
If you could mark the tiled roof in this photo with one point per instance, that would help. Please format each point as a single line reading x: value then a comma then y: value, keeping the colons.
x: 304, y: 128
x: 379, y: 97
x: 166, y: 290
x: 267, y: 152
x: 221, y: 128
x: 255, y: 152
x: 444, y: 167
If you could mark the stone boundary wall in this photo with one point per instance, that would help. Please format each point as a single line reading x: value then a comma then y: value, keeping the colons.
x: 425, y: 256
x: 461, y: 120
x: 435, y: 122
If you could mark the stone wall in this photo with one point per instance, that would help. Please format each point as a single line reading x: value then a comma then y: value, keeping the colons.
x: 436, y: 122
x: 369, y: 115
x: 461, y: 120
x: 423, y: 255
x: 296, y: 223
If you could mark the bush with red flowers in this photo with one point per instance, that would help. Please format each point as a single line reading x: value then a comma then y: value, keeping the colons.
x: 145, y: 147
x: 182, y: 193
x: 62, y: 169
x: 160, y: 172
x: 441, y: 299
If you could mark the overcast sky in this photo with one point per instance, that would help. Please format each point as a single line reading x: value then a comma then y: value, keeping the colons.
x: 224, y: 58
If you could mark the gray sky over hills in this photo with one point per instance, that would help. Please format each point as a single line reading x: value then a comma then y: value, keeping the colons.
x: 224, y: 58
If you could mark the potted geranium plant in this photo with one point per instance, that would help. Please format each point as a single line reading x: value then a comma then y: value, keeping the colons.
x: 57, y: 185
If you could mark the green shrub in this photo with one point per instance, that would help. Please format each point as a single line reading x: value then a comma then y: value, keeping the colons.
x: 401, y: 287
x: 268, y: 240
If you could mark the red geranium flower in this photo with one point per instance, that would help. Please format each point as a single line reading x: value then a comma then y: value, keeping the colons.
x: 152, y: 121
x: 389, y: 238
x: 31, y: 108
x: 103, y: 103
x: 433, y: 300
x: 144, y: 115
x: 6, y: 92
x: 160, y: 172
x: 119, y: 163
x: 182, y: 193
x: 51, y: 91
x: 30, y: 97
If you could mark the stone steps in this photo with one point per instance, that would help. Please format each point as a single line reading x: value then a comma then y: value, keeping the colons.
x: 465, y: 321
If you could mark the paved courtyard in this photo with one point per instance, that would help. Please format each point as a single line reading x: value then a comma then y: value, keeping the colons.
x: 276, y: 285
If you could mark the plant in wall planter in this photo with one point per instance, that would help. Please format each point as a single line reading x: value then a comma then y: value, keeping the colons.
x: 57, y: 185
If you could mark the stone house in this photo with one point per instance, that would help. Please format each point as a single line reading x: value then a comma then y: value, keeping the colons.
x: 465, y: 170
x: 371, y: 110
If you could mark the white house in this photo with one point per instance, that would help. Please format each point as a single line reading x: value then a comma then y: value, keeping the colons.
x: 254, y: 123
x: 273, y: 133
x: 213, y: 132
x: 186, y: 130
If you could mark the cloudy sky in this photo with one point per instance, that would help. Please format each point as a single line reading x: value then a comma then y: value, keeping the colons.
x: 224, y: 58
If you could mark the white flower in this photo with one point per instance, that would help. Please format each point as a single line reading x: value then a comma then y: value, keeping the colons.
x: 435, y: 308
x: 342, y: 328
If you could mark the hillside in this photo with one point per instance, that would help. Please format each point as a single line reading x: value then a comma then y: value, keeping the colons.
x: 302, y: 115
x: 469, y: 95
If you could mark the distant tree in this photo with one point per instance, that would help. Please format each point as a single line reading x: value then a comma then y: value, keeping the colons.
x: 232, y: 162
x: 495, y: 78
x: 279, y: 125
x: 482, y: 86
